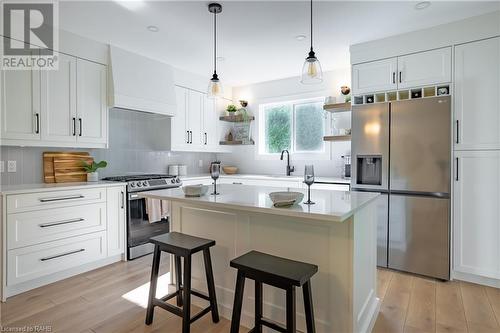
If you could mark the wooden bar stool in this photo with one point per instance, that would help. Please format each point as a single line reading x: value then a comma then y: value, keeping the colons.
x: 184, y: 246
x: 280, y: 273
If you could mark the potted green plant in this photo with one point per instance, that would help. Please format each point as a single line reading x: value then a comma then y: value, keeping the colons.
x: 231, y: 109
x: 91, y: 169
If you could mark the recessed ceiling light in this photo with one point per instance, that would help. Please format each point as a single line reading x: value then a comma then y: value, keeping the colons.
x: 221, y: 59
x: 300, y: 37
x: 422, y: 5
x: 153, y: 28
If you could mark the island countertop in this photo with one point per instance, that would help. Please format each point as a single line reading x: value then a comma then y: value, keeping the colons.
x: 335, y: 206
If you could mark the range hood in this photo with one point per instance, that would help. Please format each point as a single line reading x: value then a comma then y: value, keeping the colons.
x: 140, y: 83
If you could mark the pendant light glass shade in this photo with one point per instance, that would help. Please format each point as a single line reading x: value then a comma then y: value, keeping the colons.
x: 311, y: 71
x: 214, y: 85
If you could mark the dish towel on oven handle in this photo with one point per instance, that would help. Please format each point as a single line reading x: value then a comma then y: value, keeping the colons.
x: 157, y: 209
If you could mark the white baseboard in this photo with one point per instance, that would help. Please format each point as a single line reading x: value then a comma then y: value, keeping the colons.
x: 485, y: 281
x: 10, y: 291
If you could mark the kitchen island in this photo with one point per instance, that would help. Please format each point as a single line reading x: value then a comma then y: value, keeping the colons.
x: 338, y: 234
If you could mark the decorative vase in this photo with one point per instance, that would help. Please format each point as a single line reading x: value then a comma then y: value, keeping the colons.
x: 92, y: 176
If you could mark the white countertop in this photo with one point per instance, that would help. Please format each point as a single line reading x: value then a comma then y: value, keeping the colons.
x: 27, y: 188
x: 334, y: 206
x: 318, y: 179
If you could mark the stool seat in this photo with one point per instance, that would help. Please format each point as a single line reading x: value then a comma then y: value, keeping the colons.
x: 181, y: 244
x: 271, y: 268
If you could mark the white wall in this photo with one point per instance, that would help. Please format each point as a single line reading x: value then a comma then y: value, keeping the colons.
x: 245, y: 157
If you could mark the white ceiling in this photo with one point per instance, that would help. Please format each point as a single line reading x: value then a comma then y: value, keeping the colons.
x: 257, y: 39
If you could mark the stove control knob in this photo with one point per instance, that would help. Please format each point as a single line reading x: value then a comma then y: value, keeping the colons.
x: 139, y: 184
x: 173, y: 181
x: 144, y: 183
x: 177, y: 180
x: 132, y: 184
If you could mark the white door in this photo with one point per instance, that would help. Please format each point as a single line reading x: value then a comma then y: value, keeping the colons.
x: 374, y: 76
x: 194, y: 120
x: 91, y: 102
x: 424, y: 68
x: 116, y: 205
x: 179, y: 131
x: 210, y: 120
x: 477, y: 213
x: 477, y: 95
x: 58, y: 101
x: 20, y: 104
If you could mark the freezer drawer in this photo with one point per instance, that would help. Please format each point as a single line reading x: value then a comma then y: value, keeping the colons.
x: 419, y: 235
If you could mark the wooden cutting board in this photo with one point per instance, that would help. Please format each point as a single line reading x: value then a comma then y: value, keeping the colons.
x: 62, y: 167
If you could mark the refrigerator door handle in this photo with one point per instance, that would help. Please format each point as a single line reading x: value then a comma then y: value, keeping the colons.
x: 457, y: 131
x: 456, y: 170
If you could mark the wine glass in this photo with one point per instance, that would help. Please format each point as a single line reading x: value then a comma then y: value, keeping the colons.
x: 309, y: 180
x: 214, y: 173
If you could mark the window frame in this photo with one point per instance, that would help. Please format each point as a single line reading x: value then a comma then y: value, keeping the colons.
x: 260, y: 153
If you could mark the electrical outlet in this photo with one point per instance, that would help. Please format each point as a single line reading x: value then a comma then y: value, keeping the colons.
x: 200, y: 163
x: 11, y: 166
x: 2, y: 166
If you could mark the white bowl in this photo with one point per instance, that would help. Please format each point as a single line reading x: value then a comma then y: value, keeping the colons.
x: 286, y: 199
x: 195, y: 190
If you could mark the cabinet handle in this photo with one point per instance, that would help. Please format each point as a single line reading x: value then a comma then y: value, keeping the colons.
x: 45, y: 225
x: 205, y: 138
x: 37, y: 125
x: 400, y: 77
x: 123, y: 200
x: 394, y: 77
x: 62, y: 198
x: 456, y: 176
x: 190, y: 136
x: 74, y: 126
x: 62, y: 255
x: 80, y: 120
x: 237, y: 183
x: 458, y: 125
x: 187, y: 132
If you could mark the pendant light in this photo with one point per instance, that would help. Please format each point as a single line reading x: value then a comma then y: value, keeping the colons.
x: 214, y: 86
x: 311, y: 71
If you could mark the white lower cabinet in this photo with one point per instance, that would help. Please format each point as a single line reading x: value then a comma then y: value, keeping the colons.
x: 477, y: 213
x: 52, y: 234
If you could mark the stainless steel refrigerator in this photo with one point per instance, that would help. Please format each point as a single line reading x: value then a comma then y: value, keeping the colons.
x: 402, y: 149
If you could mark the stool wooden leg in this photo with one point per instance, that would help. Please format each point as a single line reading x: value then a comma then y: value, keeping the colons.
x: 290, y: 310
x: 211, y: 285
x: 308, y: 307
x: 258, y: 307
x: 186, y: 318
x: 238, y: 302
x: 152, y: 286
x: 178, y: 279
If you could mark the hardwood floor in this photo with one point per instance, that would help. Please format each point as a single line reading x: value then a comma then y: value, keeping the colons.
x: 113, y: 298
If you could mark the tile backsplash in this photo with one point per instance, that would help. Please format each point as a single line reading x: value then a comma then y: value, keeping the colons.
x: 138, y: 143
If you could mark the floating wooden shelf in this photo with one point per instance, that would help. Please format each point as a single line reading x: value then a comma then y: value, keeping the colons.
x: 337, y: 107
x: 337, y: 138
x: 235, y: 143
x: 236, y: 118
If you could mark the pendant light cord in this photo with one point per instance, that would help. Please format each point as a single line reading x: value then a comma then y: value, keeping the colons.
x: 311, y: 25
x: 215, y: 42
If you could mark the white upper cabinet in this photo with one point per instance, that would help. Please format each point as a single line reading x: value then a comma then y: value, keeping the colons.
x: 58, y: 116
x: 374, y: 76
x: 194, y: 116
x: 20, y: 104
x: 424, y: 68
x: 179, y: 131
x: 477, y: 213
x: 477, y: 95
x: 210, y: 120
x: 91, y: 107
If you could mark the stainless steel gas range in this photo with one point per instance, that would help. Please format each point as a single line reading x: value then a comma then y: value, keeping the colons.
x: 142, y: 224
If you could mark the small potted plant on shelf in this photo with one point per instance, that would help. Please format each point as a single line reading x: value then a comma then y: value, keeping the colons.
x: 231, y: 109
x: 91, y: 169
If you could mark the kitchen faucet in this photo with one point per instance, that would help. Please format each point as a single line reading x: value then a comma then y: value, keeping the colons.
x: 289, y: 168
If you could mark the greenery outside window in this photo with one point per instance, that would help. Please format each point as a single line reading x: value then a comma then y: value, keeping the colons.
x: 298, y: 126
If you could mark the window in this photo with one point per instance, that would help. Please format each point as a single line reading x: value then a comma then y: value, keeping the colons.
x: 298, y: 126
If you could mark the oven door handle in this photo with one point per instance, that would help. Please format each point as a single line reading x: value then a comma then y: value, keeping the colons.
x: 133, y: 196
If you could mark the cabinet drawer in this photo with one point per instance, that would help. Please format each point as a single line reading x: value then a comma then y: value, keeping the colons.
x: 29, y: 228
x: 53, y: 199
x: 32, y: 262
